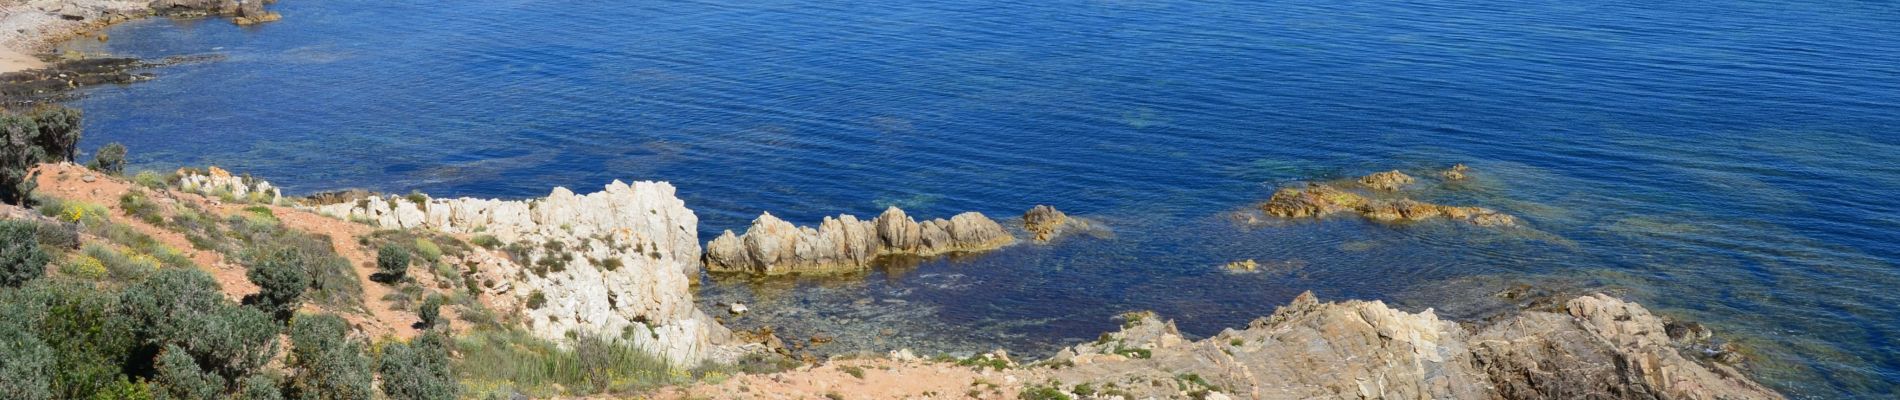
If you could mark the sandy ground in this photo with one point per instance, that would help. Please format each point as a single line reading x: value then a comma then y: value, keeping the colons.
x: 69, y: 181
x: 875, y: 379
x: 30, y: 27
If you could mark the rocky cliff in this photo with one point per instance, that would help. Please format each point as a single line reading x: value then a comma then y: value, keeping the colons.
x: 617, y: 263
x: 772, y: 246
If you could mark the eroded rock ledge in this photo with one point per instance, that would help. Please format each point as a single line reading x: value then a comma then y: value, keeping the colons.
x: 1595, y: 347
x: 772, y: 246
x: 618, y: 263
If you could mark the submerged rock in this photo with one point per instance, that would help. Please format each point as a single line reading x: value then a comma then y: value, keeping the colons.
x: 1320, y: 200
x: 1455, y: 173
x: 1387, y: 181
x: 1247, y: 265
x: 53, y: 83
x: 772, y: 246
x: 1598, y: 347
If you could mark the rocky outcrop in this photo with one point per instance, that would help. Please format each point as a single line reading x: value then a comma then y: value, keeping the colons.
x: 1387, y: 181
x: 772, y: 246
x: 617, y: 263
x: 1599, y: 347
x: 242, y: 12
x: 24, y: 88
x: 1045, y: 223
x: 1321, y: 200
x: 217, y: 182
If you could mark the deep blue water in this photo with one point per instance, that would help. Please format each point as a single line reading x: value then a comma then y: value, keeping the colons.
x: 1728, y: 161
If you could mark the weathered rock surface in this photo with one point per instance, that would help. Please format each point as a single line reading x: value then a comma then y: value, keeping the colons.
x: 24, y: 88
x: 1599, y: 348
x: 216, y: 181
x: 617, y: 263
x: 772, y: 246
x: 1321, y: 200
x: 1387, y: 181
x: 242, y: 12
x: 1045, y: 223
x: 1455, y: 173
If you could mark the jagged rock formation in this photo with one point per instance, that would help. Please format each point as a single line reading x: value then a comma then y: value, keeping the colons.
x: 217, y: 182
x: 618, y: 263
x: 1045, y: 223
x: 1318, y: 200
x: 1599, y: 348
x: 1387, y: 181
x: 772, y: 246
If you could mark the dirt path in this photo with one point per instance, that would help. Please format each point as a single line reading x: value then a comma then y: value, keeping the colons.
x: 863, y: 379
x: 382, y: 320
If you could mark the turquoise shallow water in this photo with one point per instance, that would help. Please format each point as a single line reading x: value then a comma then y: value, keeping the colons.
x: 1731, y: 162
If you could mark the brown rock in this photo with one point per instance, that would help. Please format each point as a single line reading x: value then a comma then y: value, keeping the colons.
x: 1044, y: 222
x: 1455, y: 173
x: 1388, y: 181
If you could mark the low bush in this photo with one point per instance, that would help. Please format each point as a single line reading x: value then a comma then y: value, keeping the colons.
x: 151, y: 180
x: 138, y: 204
x: 282, y: 275
x: 21, y: 258
x: 328, y: 363
x: 110, y: 159
x: 419, y: 370
x: 392, y: 263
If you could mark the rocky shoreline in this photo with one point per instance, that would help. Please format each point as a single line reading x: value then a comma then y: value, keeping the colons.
x: 30, y: 73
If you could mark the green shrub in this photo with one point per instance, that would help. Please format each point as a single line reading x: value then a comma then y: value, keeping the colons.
x: 59, y: 131
x: 80, y: 323
x: 486, y: 241
x: 18, y: 154
x: 110, y: 159
x: 328, y: 364
x: 392, y: 262
x: 281, y: 275
x: 260, y: 387
x: 430, y: 312
x: 180, y: 377
x: 120, y: 267
x: 57, y: 235
x: 150, y: 180
x: 428, y: 250
x: 183, y: 307
x: 21, y: 258
x: 137, y: 204
x: 84, y: 267
x: 419, y: 370
x: 536, y: 299
x: 28, y: 371
x: 1040, y: 392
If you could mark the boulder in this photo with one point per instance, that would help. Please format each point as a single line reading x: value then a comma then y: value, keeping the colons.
x: 1455, y: 173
